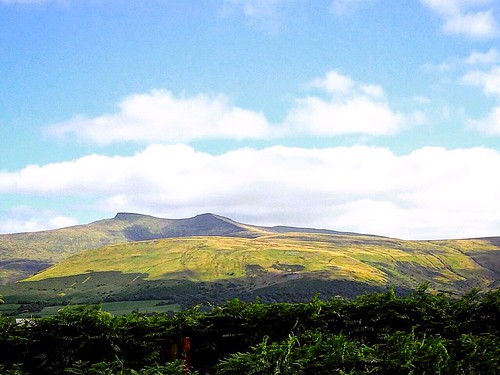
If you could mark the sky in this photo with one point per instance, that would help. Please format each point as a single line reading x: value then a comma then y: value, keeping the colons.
x: 372, y: 116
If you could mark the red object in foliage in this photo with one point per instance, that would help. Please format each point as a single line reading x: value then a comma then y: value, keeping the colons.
x: 186, y: 356
x: 186, y: 344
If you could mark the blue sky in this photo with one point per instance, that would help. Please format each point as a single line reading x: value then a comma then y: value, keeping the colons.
x: 359, y: 115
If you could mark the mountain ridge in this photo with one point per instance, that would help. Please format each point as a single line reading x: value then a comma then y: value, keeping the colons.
x: 22, y: 254
x: 209, y: 253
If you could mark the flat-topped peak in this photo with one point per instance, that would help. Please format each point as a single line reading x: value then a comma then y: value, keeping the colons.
x: 133, y: 215
x: 129, y: 216
x: 207, y: 214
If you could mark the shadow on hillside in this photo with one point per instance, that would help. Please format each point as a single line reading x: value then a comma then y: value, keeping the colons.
x: 16, y: 269
x: 94, y: 287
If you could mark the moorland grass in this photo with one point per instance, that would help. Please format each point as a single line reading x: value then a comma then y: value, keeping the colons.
x: 370, y: 260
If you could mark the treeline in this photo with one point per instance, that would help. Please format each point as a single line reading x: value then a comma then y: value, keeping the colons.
x: 377, y: 333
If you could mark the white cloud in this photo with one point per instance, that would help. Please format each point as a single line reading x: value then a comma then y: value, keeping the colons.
x: 454, y: 64
x: 489, y: 125
x: 471, y: 18
x: 27, y: 219
x: 353, y: 116
x: 486, y: 58
x: 478, y: 24
x: 334, y: 82
x: 159, y: 116
x: 375, y: 91
x: 351, y: 108
x: 431, y: 192
x: 489, y: 81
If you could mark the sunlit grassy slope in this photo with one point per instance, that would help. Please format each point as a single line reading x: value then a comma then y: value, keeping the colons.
x: 23, y: 254
x: 273, y: 258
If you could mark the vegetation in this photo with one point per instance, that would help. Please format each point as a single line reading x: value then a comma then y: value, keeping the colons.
x: 209, y: 248
x: 146, y: 286
x: 133, y: 293
x: 41, y: 309
x: 376, y: 333
x: 23, y: 254
x: 252, y: 266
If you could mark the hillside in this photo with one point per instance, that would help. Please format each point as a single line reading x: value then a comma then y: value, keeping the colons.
x: 23, y: 254
x: 273, y: 266
x: 213, y: 258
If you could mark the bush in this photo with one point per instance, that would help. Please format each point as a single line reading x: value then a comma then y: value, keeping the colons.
x: 379, y: 333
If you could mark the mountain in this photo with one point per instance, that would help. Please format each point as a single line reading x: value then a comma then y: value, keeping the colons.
x: 274, y: 266
x: 23, y: 254
x: 213, y: 258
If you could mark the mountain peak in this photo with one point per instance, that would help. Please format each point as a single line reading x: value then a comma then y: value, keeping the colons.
x: 133, y: 216
x: 144, y: 227
x: 207, y: 214
x: 128, y: 216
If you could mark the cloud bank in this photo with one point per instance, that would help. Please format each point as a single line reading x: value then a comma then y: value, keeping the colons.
x: 429, y: 193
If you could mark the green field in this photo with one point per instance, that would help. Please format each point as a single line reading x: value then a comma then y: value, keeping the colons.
x: 115, y: 308
x: 8, y: 308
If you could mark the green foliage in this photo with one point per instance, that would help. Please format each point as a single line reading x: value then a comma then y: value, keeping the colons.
x: 314, y: 353
x: 378, y: 333
x: 115, y: 368
x: 409, y: 354
x: 264, y: 358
